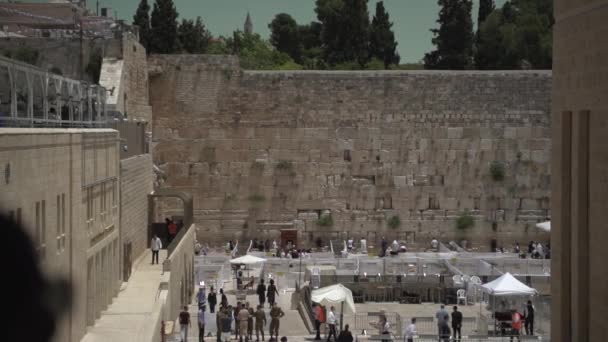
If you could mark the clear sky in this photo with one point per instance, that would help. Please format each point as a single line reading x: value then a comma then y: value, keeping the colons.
x: 412, y: 18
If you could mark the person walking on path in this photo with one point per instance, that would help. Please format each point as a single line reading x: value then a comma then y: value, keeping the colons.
x: 156, y: 245
x: 224, y: 301
x: 331, y: 321
x: 200, y: 297
x: 317, y: 313
x: 457, y: 323
x: 260, y: 323
x: 440, y: 315
x: 529, y: 318
x: 243, y: 318
x: 250, y: 324
x: 444, y: 329
x: 184, y: 323
x: 201, y: 324
x: 261, y: 291
x: 515, y: 324
x: 345, y: 335
x: 270, y: 294
x: 212, y: 299
x: 226, y: 324
x: 219, y: 319
x: 410, y: 331
x: 172, y: 228
x: 383, y: 246
x: 275, y: 315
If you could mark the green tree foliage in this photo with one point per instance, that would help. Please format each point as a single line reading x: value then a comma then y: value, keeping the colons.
x: 310, y: 39
x: 142, y: 20
x: 345, y: 34
x: 285, y: 36
x: 382, y: 44
x: 193, y: 36
x: 485, y: 8
x: 164, y: 27
x: 256, y: 53
x: 519, y: 35
x: 453, y: 39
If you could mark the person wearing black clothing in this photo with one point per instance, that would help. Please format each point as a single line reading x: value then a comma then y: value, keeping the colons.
x: 224, y: 301
x: 271, y: 291
x: 345, y: 335
x: 212, y: 300
x: 529, y: 319
x: 261, y: 291
x: 457, y: 323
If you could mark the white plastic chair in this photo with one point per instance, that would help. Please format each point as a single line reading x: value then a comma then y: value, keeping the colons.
x: 475, y: 280
x: 461, y: 294
x: 457, y: 280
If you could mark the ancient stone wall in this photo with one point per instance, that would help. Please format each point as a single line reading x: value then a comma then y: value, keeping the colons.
x: 263, y: 151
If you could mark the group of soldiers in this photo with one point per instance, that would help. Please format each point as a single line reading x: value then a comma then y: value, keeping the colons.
x: 243, y: 315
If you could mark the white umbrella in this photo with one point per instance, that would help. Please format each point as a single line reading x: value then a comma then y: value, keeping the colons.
x: 546, y: 226
x: 247, y: 260
x: 334, y: 294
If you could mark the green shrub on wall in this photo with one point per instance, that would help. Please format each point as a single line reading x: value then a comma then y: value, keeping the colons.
x: 394, y: 222
x: 465, y: 221
x: 325, y: 221
x: 284, y: 165
x: 497, y: 170
x: 257, y: 198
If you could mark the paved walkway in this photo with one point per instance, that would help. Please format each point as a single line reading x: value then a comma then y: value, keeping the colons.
x: 130, y: 316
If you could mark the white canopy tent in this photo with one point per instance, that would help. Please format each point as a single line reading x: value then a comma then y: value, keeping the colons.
x: 546, y: 226
x: 335, y: 294
x: 507, y: 285
x: 247, y: 260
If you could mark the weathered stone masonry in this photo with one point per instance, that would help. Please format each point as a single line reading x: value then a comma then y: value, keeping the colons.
x: 262, y: 151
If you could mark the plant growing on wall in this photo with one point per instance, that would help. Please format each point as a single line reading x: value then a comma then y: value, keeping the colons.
x: 394, y: 222
x: 284, y: 165
x: 325, y: 221
x: 497, y: 171
x: 465, y: 221
x: 257, y: 198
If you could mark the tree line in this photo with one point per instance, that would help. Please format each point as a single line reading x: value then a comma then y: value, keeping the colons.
x: 517, y: 35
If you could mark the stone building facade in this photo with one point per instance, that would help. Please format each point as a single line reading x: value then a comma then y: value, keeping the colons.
x: 266, y: 151
x: 62, y: 185
x: 136, y: 182
x: 580, y: 171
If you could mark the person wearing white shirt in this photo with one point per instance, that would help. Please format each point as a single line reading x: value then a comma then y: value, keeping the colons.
x: 363, y: 245
x: 410, y: 331
x: 350, y: 243
x: 395, y: 245
x: 155, y: 246
x: 331, y: 321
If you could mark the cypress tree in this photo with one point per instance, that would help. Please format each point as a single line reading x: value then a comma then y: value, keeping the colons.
x: 142, y: 20
x: 285, y: 36
x: 453, y: 39
x: 382, y: 42
x: 485, y: 8
x: 355, y: 31
x: 164, y: 27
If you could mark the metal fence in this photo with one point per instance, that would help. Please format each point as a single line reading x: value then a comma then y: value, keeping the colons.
x: 32, y: 97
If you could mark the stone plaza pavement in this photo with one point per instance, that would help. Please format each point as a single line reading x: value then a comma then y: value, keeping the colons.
x: 132, y: 314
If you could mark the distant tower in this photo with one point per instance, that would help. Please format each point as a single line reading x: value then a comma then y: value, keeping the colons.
x: 248, y: 28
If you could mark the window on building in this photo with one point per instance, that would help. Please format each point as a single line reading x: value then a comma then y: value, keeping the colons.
x: 103, y: 198
x: 40, y: 234
x: 90, y: 203
x: 62, y: 222
x: 58, y: 220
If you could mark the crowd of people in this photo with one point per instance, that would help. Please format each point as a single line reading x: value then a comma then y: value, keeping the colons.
x: 241, y: 320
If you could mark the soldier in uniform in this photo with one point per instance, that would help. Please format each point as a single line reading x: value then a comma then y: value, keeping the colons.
x: 260, y: 322
x: 275, y: 315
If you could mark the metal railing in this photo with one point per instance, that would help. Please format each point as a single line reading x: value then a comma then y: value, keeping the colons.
x: 32, y: 97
